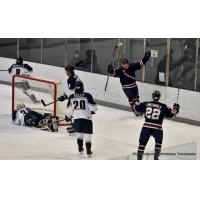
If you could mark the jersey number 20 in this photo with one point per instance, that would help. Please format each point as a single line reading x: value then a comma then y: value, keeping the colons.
x: 153, y: 113
x: 79, y: 105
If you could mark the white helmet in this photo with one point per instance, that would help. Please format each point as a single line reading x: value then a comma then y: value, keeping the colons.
x: 20, y: 105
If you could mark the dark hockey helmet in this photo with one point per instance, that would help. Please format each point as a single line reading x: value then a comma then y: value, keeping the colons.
x: 69, y: 68
x: 19, y: 60
x: 79, y: 87
x: 156, y: 95
x: 124, y: 61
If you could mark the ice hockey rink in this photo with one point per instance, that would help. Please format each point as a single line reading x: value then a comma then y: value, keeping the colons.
x: 116, y: 134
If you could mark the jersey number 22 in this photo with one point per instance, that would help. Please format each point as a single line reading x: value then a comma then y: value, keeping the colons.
x: 153, y: 113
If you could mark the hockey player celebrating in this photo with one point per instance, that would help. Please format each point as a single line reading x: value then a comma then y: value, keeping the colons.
x: 26, y: 117
x: 154, y: 112
x: 81, y: 106
x: 126, y: 73
x: 19, y: 68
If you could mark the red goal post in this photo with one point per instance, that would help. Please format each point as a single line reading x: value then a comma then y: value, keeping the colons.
x: 38, y: 79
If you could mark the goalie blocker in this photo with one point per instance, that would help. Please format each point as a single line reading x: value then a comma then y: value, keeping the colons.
x: 26, y: 117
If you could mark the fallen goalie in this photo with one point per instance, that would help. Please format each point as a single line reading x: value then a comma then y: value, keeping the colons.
x: 26, y: 117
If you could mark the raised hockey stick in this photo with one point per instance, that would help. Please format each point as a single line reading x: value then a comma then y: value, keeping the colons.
x: 112, y: 61
x: 178, y: 95
x: 44, y: 104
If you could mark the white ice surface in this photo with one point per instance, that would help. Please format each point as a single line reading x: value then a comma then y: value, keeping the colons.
x: 116, y: 134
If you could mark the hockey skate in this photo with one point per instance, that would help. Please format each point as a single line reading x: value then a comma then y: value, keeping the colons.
x: 70, y: 130
x: 89, y: 154
x: 81, y: 150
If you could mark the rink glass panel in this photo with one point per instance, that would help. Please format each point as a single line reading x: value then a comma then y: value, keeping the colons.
x: 53, y: 52
x: 182, y: 63
x: 30, y: 49
x: 158, y: 62
x: 198, y: 68
x: 134, y: 52
x: 8, y: 47
x: 94, y: 54
x: 103, y: 52
x: 79, y: 53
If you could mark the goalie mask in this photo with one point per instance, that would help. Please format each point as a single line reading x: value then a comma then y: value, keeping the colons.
x: 20, y: 105
x: 156, y: 95
x: 79, y: 87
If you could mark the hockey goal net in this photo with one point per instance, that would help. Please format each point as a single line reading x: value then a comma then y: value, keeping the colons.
x: 31, y: 90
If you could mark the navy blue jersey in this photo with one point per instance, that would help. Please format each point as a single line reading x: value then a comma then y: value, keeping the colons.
x: 127, y: 76
x: 154, y: 113
x: 71, y: 81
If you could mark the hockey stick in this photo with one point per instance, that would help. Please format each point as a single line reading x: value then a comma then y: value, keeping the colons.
x: 178, y: 95
x: 59, y: 121
x: 44, y: 104
x: 3, y: 70
x: 112, y: 61
x: 68, y: 123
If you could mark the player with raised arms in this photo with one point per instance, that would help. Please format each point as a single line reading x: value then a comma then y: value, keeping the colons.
x: 126, y: 73
x: 154, y: 113
x: 19, y: 68
x: 81, y: 106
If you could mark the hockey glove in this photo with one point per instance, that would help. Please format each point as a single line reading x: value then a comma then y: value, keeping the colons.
x: 176, y: 106
x: 67, y: 119
x: 147, y: 56
x: 62, y: 98
x: 110, y: 69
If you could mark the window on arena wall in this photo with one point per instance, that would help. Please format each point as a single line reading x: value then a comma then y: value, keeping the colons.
x: 155, y: 70
x: 54, y: 51
x: 134, y: 52
x: 102, y: 54
x: 182, y: 63
x: 8, y: 47
x: 30, y: 49
x: 79, y: 53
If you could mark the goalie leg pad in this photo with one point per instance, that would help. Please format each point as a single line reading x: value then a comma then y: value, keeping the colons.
x: 49, y: 123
